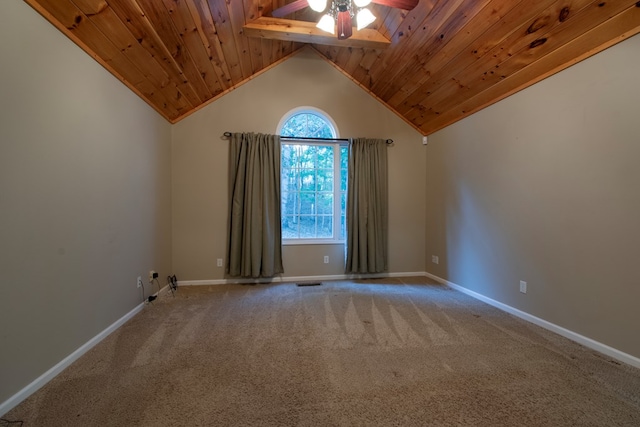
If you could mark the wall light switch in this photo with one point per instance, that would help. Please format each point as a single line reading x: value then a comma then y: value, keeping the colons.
x: 523, y: 286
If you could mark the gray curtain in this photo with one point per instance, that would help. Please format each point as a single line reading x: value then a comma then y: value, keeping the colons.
x: 367, y: 206
x: 255, y: 234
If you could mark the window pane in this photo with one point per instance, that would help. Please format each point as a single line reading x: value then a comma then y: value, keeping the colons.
x: 295, y: 126
x: 324, y: 180
x: 307, y: 179
x: 307, y: 227
x: 344, y: 172
x: 289, y: 227
x: 307, y: 125
x: 288, y: 154
x: 288, y: 206
x: 288, y: 181
x: 307, y: 203
x: 344, y: 157
x: 305, y: 156
x: 315, y: 124
x: 325, y: 157
x: 325, y: 226
x: 324, y: 203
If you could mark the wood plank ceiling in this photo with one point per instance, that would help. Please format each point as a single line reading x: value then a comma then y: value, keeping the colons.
x: 444, y: 60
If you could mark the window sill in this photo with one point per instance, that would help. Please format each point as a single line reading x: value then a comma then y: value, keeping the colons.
x: 304, y: 242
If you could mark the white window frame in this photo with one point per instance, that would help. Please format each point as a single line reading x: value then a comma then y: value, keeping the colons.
x: 336, y: 173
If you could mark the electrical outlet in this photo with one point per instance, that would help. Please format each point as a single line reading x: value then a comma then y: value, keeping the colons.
x: 219, y: 262
x: 523, y: 286
x: 152, y: 275
x: 139, y: 282
x: 435, y: 259
x: 326, y: 259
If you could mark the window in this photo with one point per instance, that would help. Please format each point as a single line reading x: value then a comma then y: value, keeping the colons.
x: 314, y: 179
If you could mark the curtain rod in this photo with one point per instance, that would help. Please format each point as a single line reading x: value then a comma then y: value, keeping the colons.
x: 388, y: 141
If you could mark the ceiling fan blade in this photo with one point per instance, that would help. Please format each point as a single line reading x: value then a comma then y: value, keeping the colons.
x: 289, y: 8
x: 343, y: 26
x: 400, y: 4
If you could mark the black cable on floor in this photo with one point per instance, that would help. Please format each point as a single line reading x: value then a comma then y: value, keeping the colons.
x: 142, y: 286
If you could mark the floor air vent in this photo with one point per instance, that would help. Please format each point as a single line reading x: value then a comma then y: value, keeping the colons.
x: 309, y: 283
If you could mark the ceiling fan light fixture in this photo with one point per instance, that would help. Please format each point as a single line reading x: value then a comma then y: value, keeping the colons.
x: 327, y: 23
x: 362, y: 3
x: 318, y: 5
x: 364, y: 18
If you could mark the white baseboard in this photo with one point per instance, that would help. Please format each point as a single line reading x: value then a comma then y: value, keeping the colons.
x: 279, y: 279
x: 580, y: 339
x: 35, y: 385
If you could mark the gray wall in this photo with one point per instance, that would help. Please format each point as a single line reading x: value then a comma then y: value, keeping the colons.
x: 200, y: 159
x: 544, y: 187
x: 84, y: 197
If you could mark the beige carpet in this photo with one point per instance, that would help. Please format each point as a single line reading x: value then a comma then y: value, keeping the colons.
x: 388, y: 352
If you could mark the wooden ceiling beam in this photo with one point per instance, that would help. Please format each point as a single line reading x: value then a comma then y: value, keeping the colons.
x: 306, y: 32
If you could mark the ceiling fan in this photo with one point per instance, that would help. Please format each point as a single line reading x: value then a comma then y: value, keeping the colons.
x: 339, y: 13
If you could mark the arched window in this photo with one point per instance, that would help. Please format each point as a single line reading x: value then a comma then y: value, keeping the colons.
x: 313, y: 178
x: 308, y: 123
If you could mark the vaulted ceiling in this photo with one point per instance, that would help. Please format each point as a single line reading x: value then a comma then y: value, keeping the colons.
x: 432, y: 65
